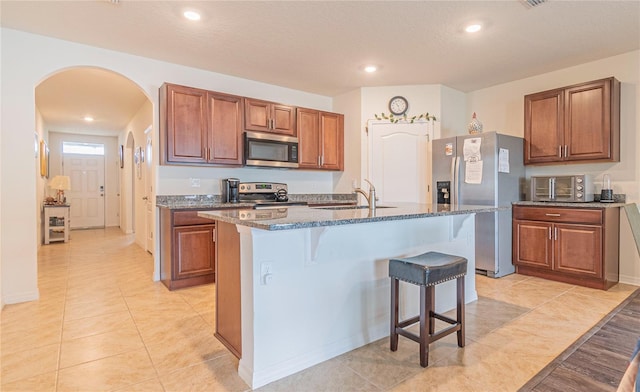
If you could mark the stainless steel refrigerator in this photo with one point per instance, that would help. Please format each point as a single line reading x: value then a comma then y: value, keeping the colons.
x: 482, y: 169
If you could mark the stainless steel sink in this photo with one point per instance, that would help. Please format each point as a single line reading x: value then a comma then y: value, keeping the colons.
x: 351, y: 207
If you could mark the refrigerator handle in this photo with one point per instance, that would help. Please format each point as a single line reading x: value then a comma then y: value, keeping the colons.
x: 452, y: 178
x: 456, y: 178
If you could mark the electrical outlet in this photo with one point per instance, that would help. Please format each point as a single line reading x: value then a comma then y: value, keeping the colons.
x: 266, y: 273
x: 195, y: 182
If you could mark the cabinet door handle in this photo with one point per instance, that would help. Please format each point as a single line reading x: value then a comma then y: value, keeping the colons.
x: 318, y: 160
x: 566, y: 150
x: 559, y: 151
x: 549, y: 232
x: 555, y: 233
x: 208, y: 153
x: 552, y: 214
x: 213, y: 235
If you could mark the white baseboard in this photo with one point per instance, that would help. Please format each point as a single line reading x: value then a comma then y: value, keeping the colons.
x: 20, y: 297
x: 628, y: 279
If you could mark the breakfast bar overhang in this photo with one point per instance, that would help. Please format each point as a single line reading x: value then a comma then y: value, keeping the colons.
x: 314, y: 282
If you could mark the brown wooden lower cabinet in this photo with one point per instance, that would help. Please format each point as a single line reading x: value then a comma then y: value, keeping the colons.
x: 572, y: 245
x: 228, y: 307
x: 187, y: 248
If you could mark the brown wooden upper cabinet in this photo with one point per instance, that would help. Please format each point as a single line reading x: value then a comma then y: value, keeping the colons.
x: 579, y: 123
x: 199, y: 126
x: 264, y: 116
x: 320, y: 139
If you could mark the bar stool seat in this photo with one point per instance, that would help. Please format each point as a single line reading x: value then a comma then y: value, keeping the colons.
x: 427, y: 270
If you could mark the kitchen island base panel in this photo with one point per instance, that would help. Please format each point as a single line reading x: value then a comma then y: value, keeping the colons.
x: 308, y: 295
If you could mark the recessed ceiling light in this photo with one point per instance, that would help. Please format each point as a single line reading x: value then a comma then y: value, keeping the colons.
x: 370, y: 68
x: 191, y: 15
x: 474, y: 28
x: 88, y: 118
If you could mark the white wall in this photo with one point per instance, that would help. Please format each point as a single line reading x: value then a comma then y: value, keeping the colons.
x: 1, y: 179
x: 41, y: 182
x: 446, y: 104
x: 501, y: 108
x: 28, y: 59
x: 129, y: 181
x: 349, y: 104
x: 375, y: 100
x: 454, y: 116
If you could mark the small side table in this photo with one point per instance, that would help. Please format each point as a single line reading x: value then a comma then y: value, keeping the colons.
x: 56, y: 223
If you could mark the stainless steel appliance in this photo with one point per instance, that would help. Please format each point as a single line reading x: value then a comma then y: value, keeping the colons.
x: 482, y: 169
x: 230, y: 190
x: 569, y: 189
x: 269, y: 150
x: 266, y: 194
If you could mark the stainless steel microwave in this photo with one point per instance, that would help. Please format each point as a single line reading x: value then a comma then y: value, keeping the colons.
x: 269, y: 150
x: 570, y: 189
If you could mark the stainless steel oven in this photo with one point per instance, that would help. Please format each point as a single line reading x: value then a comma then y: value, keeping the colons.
x: 571, y: 189
x: 266, y: 149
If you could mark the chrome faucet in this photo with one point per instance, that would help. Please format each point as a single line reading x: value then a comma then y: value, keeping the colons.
x: 371, y: 197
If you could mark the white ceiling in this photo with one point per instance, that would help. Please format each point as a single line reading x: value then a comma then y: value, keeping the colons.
x: 322, y: 46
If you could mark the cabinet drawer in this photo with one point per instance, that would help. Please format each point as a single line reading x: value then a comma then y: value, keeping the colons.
x: 571, y: 215
x: 184, y: 218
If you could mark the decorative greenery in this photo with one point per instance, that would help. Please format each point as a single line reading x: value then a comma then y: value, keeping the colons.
x: 404, y: 117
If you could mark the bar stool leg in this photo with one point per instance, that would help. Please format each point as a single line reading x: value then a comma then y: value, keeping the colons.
x: 460, y: 310
x: 395, y: 285
x: 425, y: 324
x: 431, y: 296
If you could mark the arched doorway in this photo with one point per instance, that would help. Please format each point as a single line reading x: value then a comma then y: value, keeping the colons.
x: 121, y: 113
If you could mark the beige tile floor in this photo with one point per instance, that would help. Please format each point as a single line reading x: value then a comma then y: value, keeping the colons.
x: 102, y: 324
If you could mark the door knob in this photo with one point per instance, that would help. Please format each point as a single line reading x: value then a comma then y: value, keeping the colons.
x: 145, y: 198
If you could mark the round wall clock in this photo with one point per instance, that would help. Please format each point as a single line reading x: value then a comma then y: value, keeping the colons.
x: 398, y: 105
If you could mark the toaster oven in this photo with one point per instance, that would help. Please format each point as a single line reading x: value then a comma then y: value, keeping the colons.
x: 569, y: 189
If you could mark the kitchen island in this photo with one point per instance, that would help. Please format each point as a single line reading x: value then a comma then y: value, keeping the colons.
x: 314, y: 281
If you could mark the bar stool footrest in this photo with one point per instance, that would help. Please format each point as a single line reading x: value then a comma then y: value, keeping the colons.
x: 445, y: 318
x: 407, y: 322
x: 408, y: 335
x: 444, y: 332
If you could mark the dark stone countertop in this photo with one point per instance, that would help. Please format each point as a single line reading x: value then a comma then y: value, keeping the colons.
x: 175, y: 202
x: 297, y: 217
x: 593, y: 204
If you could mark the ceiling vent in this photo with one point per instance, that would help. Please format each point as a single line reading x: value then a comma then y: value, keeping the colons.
x: 532, y: 3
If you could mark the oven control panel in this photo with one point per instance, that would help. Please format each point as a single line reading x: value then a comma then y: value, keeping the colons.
x: 262, y: 187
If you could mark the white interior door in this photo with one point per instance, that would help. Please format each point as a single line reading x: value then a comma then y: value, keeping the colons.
x: 148, y: 194
x: 86, y: 196
x: 400, y: 161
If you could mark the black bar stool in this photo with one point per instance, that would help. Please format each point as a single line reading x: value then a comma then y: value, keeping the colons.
x: 427, y: 270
